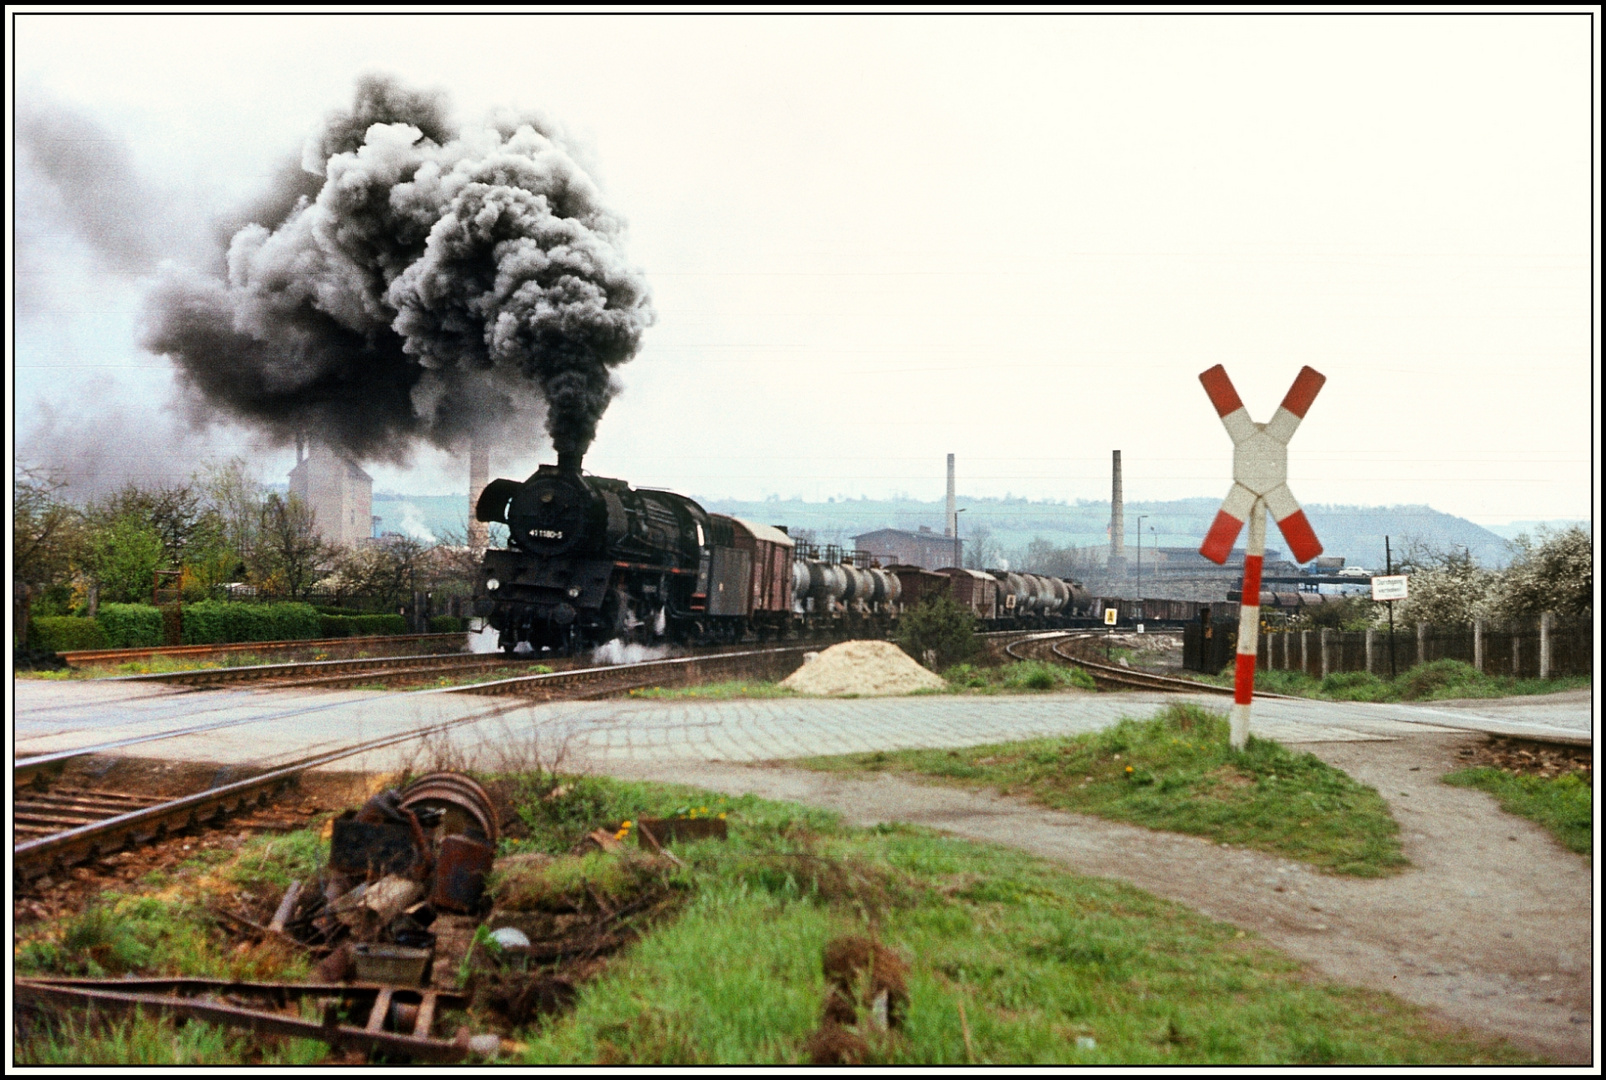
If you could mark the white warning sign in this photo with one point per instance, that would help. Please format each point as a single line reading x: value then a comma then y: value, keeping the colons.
x: 1389, y: 588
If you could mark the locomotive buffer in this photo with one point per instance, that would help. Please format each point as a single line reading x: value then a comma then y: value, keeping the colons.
x: 1260, y: 484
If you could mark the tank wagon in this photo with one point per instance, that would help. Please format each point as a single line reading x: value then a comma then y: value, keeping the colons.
x: 591, y: 559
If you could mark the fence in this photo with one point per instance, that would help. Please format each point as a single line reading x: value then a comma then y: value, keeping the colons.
x: 1547, y: 649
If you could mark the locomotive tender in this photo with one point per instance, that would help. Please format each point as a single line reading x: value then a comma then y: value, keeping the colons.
x: 592, y: 559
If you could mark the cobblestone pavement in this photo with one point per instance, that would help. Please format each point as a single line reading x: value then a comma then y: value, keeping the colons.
x: 275, y: 726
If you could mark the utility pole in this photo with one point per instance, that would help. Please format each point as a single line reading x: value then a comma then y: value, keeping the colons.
x: 1140, y: 555
x: 1388, y: 569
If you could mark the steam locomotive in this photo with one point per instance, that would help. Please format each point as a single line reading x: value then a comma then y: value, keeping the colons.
x: 592, y: 559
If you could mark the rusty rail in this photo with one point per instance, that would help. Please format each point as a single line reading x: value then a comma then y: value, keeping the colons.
x: 682, y: 671
x: 207, y: 1002
x: 1113, y: 675
x: 329, y: 672
x: 111, y: 656
x: 145, y: 824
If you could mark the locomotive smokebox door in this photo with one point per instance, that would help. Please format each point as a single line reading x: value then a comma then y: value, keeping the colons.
x: 728, y: 588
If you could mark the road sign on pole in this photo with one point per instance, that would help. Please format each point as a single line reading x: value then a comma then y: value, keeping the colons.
x: 1259, y: 486
x: 1390, y: 588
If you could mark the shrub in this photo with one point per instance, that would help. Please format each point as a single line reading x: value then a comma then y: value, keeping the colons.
x: 939, y: 625
x: 130, y: 626
x: 446, y: 624
x: 1425, y: 679
x: 213, y: 622
x: 65, y: 633
x: 1354, y: 686
x: 360, y: 625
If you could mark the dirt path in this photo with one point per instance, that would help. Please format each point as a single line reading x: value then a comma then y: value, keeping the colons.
x: 1491, y: 926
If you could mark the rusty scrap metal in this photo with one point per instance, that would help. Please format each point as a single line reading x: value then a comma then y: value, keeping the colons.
x: 460, y: 871
x: 367, y: 850
x: 465, y: 806
x: 208, y: 999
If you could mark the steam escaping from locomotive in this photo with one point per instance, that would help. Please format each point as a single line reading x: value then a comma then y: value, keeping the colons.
x: 415, y: 284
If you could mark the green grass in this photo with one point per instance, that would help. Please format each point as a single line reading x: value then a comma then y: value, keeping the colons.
x: 1438, y: 680
x: 1037, y: 958
x: 1029, y: 960
x: 1014, y: 678
x: 1563, y: 804
x: 1177, y: 772
x: 66, y: 1038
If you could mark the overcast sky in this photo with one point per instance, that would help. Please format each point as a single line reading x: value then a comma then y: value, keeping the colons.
x: 872, y: 241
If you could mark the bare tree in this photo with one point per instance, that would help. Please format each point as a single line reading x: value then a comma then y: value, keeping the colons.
x: 47, y: 532
x: 290, y: 553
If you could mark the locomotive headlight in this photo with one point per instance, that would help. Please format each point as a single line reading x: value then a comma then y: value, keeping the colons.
x: 574, y: 591
x: 491, y: 584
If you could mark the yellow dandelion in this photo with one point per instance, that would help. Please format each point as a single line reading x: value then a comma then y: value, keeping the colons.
x: 1129, y: 768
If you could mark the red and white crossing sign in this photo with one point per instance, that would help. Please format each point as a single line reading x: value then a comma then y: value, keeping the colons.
x: 1259, y: 485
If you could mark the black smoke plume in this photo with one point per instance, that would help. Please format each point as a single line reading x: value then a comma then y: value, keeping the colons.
x: 425, y: 285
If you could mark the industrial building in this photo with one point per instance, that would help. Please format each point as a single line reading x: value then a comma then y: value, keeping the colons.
x: 337, y: 491
x: 925, y: 549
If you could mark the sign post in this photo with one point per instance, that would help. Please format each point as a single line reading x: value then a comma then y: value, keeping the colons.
x: 1260, y: 486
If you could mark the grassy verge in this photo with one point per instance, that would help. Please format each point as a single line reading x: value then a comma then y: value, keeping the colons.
x: 1177, y: 772
x: 1563, y: 804
x: 156, y: 665
x: 1014, y: 678
x: 1011, y: 960
x: 1439, y: 680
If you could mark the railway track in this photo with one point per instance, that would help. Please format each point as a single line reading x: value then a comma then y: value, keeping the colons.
x: 99, y: 657
x: 335, y: 673
x: 1072, y: 649
x: 69, y: 826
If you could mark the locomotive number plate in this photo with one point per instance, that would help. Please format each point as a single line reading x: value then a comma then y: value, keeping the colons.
x: 547, y: 534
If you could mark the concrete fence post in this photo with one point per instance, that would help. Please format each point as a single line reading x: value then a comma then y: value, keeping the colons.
x: 1304, y: 652
x: 1477, y: 645
x: 1327, y: 663
x: 1371, y: 655
x: 1421, y: 642
x: 1544, y: 645
x: 1516, y: 656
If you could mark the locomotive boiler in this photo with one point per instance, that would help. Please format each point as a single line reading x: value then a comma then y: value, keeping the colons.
x: 590, y: 559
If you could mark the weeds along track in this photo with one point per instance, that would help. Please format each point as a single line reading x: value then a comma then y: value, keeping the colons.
x: 334, y: 674
x: 107, y: 657
x: 68, y: 826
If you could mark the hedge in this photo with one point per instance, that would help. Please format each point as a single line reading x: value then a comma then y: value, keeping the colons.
x: 360, y: 625
x: 65, y: 633
x: 130, y: 626
x: 445, y: 624
x: 212, y: 622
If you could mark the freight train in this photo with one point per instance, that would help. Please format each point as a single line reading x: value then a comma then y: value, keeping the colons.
x: 591, y: 560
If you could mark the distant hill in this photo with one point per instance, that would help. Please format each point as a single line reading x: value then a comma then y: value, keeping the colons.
x: 1355, y: 532
x: 1513, y: 529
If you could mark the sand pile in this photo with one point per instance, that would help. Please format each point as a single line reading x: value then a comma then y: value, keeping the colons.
x: 862, y: 667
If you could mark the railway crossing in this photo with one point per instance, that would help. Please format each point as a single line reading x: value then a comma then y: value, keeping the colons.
x: 1259, y: 486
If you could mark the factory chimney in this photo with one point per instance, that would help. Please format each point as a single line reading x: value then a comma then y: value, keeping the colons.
x: 479, y: 474
x: 1117, y: 565
x: 949, y: 524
